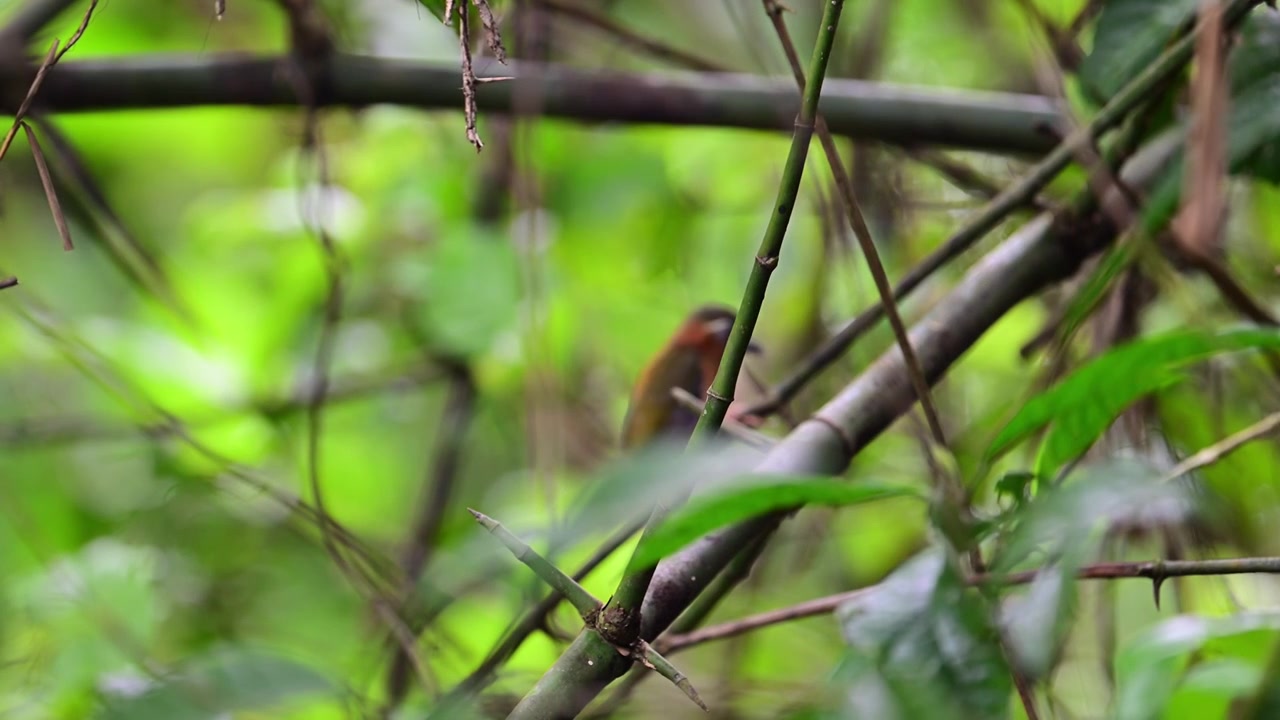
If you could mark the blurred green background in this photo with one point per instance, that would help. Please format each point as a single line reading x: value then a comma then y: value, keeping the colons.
x: 126, y: 554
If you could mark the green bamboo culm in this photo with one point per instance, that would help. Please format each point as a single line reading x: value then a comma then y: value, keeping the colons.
x: 621, y: 619
x: 766, y: 260
x: 591, y: 663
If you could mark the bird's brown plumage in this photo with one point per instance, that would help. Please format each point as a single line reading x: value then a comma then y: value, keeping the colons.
x: 689, y: 361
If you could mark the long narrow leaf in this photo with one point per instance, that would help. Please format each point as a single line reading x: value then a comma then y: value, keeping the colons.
x: 1082, y: 406
x: 704, y: 515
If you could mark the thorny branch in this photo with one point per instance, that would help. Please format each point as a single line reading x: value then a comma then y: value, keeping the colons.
x: 1155, y: 570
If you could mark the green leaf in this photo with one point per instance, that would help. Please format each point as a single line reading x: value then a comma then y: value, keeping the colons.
x: 1253, y: 115
x: 107, y: 578
x: 924, y: 646
x: 1128, y: 36
x: 1150, y: 669
x: 765, y: 494
x: 1083, y: 405
x: 1253, y: 147
x: 662, y: 472
x: 1253, y: 127
x: 1038, y: 620
x: 1257, y: 50
x: 226, y: 680
x: 1208, y: 689
x: 1072, y: 515
x: 1117, y: 259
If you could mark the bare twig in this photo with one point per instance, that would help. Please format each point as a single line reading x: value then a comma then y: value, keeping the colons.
x: 98, y: 369
x: 628, y: 37
x: 446, y: 454
x: 963, y: 176
x: 863, y: 234
x: 489, y: 24
x: 84, y: 25
x: 946, y: 484
x: 468, y: 79
x: 30, y: 432
x: 1226, y: 446
x: 312, y: 45
x: 455, y: 419
x: 29, y: 20
x: 49, y: 59
x: 50, y: 194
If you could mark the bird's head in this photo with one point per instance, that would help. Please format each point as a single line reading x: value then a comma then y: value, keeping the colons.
x: 689, y: 361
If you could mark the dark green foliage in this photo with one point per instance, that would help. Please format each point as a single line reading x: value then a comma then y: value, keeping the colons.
x: 922, y: 645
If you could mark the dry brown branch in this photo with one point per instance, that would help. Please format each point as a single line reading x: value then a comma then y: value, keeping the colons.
x: 1198, y: 225
x: 50, y: 194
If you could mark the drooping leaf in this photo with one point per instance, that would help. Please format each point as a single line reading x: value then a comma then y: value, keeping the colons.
x: 1038, y: 620
x: 226, y: 680
x: 712, y: 512
x: 1128, y: 36
x: 1150, y: 669
x: 1071, y: 515
x: 923, y: 645
x: 1065, y: 524
x: 663, y: 472
x: 1080, y: 407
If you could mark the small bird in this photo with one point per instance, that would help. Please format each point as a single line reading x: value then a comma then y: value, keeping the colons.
x: 688, y: 361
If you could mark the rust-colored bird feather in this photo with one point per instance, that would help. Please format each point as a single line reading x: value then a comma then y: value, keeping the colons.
x: 688, y: 361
